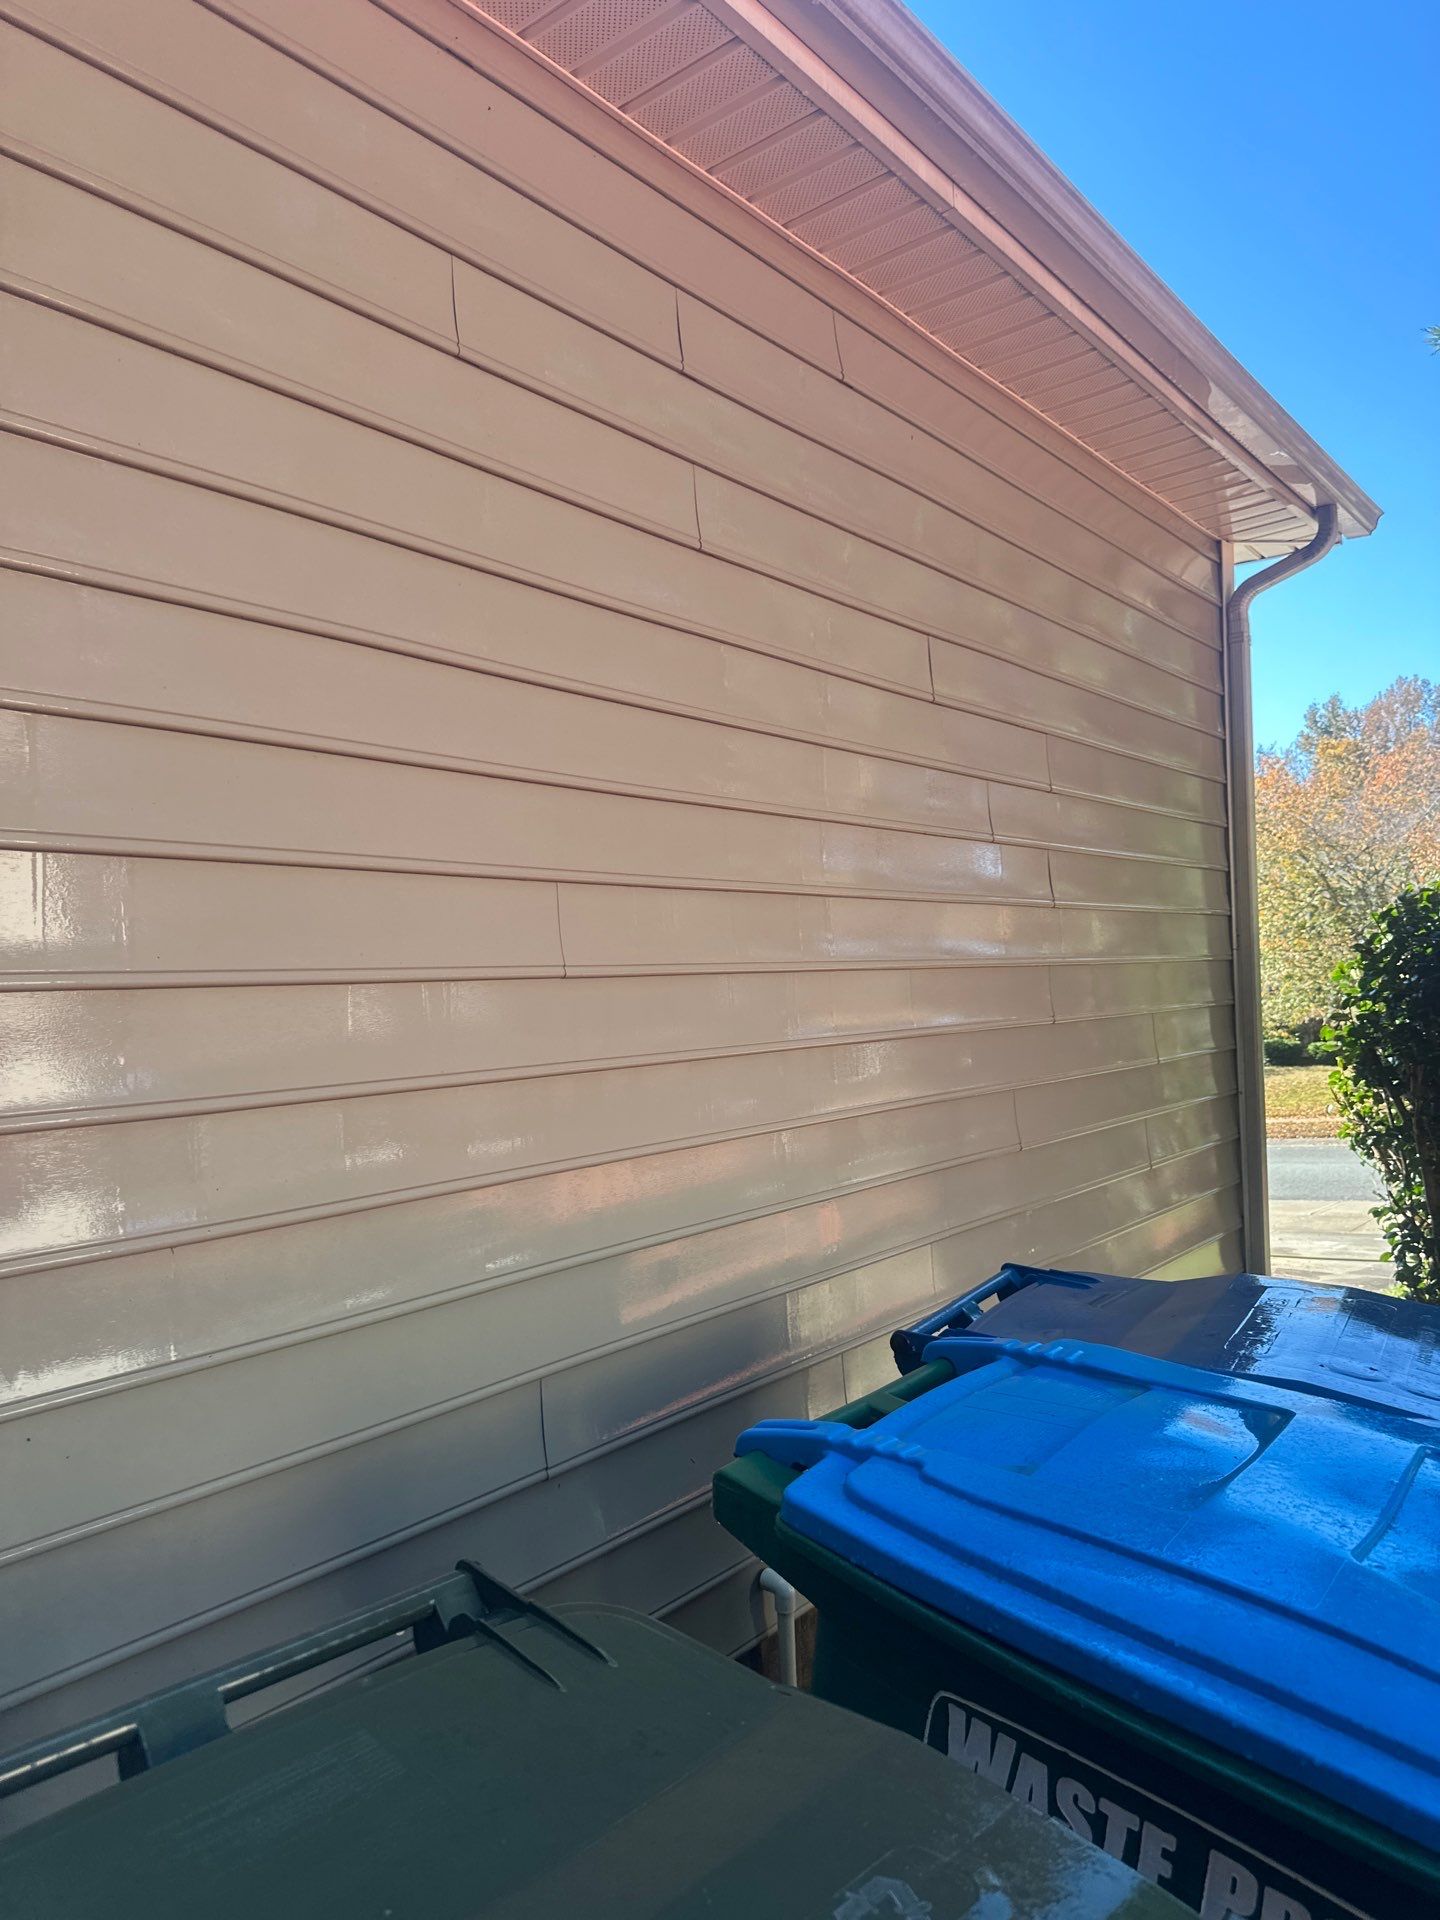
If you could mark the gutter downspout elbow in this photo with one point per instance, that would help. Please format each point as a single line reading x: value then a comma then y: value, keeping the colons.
x: 1244, y: 902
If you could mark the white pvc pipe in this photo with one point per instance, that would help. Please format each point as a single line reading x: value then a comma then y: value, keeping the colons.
x: 787, y: 1603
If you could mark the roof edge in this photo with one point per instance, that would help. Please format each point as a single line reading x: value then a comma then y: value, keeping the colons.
x: 950, y: 118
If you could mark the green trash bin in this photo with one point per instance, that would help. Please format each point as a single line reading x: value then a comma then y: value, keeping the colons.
x: 1099, y: 1580
x: 531, y: 1765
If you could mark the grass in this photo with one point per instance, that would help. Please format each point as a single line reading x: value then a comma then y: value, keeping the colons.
x: 1298, y: 1101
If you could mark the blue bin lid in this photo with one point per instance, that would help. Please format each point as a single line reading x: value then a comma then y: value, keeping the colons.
x: 1369, y: 1347
x: 1257, y: 1565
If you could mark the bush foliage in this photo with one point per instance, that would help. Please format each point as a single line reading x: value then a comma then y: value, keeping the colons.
x: 1386, y: 1035
x: 1284, y: 1050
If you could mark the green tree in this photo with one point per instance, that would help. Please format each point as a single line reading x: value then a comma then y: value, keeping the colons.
x: 1345, y: 818
x: 1387, y: 1038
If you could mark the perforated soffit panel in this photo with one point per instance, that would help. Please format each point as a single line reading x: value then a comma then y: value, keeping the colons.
x: 731, y: 90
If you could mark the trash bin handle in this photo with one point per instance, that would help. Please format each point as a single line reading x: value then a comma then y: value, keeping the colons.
x: 908, y: 1344
x: 804, y: 1443
x: 468, y: 1603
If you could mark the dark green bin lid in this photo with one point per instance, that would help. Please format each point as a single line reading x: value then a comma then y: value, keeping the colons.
x: 522, y: 1773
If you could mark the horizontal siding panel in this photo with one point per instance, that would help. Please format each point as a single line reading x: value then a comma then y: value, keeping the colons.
x: 730, y: 284
x: 203, y: 1555
x: 76, y: 649
x: 108, y: 1182
x: 1087, y: 879
x: 186, y: 55
x: 77, y: 916
x: 1188, y: 1241
x: 937, y: 405
x: 627, y: 928
x: 1181, y: 1030
x: 977, y: 680
x: 70, y: 780
x: 1073, y: 1106
x: 653, y: 1568
x: 837, y: 467
x: 1098, y: 934
x: 166, y: 529
x: 868, y: 1367
x: 836, y: 491
x: 1222, y: 1253
x: 63, y: 371
x: 419, y: 1488
x: 268, y: 565
x: 250, y: 1416
x: 1076, y: 768
x: 540, y: 156
x: 898, y: 457
x: 1058, y: 820
x: 72, y: 1053
x: 1065, y: 1230
x: 745, y: 526
x: 584, y: 1258
x: 262, y: 1407
x: 730, y: 1616
x: 125, y: 144
x: 1082, y: 992
x: 1184, y: 1130
x: 656, y: 825
x: 609, y: 1398
x: 113, y: 267
x: 518, y: 631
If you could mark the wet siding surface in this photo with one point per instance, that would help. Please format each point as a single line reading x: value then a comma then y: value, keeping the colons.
x: 587, y: 825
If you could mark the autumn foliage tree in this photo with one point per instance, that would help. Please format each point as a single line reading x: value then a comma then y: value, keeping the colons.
x: 1345, y: 819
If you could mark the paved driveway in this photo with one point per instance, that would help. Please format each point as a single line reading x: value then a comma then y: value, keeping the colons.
x: 1321, y: 1194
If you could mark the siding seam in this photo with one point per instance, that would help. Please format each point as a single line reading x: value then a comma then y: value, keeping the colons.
x: 560, y: 934
x: 343, y: 747
x: 32, y: 981
x: 446, y: 243
x: 177, y: 594
x: 96, y: 1252
x: 54, y: 167
x: 39, y: 1546
x: 227, y: 853
x: 1009, y: 413
x: 21, y: 1121
x: 1137, y: 500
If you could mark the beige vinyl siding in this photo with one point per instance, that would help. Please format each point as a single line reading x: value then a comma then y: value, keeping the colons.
x: 588, y: 825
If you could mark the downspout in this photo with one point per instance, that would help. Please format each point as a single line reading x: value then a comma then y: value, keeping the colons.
x: 1244, y: 903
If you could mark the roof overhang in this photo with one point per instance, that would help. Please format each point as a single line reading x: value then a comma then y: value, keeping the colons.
x: 849, y: 127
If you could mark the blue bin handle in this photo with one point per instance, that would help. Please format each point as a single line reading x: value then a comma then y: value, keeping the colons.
x: 908, y: 1344
x: 804, y: 1443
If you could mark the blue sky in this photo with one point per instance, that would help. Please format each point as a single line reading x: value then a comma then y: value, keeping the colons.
x: 1279, y: 171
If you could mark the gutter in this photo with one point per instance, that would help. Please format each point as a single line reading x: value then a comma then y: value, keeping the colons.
x: 1244, y: 901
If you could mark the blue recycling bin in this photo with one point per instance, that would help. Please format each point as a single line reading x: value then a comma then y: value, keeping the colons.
x: 1193, y: 1615
x: 1370, y: 1348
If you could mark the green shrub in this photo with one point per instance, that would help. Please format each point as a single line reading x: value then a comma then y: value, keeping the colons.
x: 1322, y: 1053
x: 1387, y: 1038
x: 1286, y: 1051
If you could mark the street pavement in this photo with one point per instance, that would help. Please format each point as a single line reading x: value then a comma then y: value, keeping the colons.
x: 1321, y: 1194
